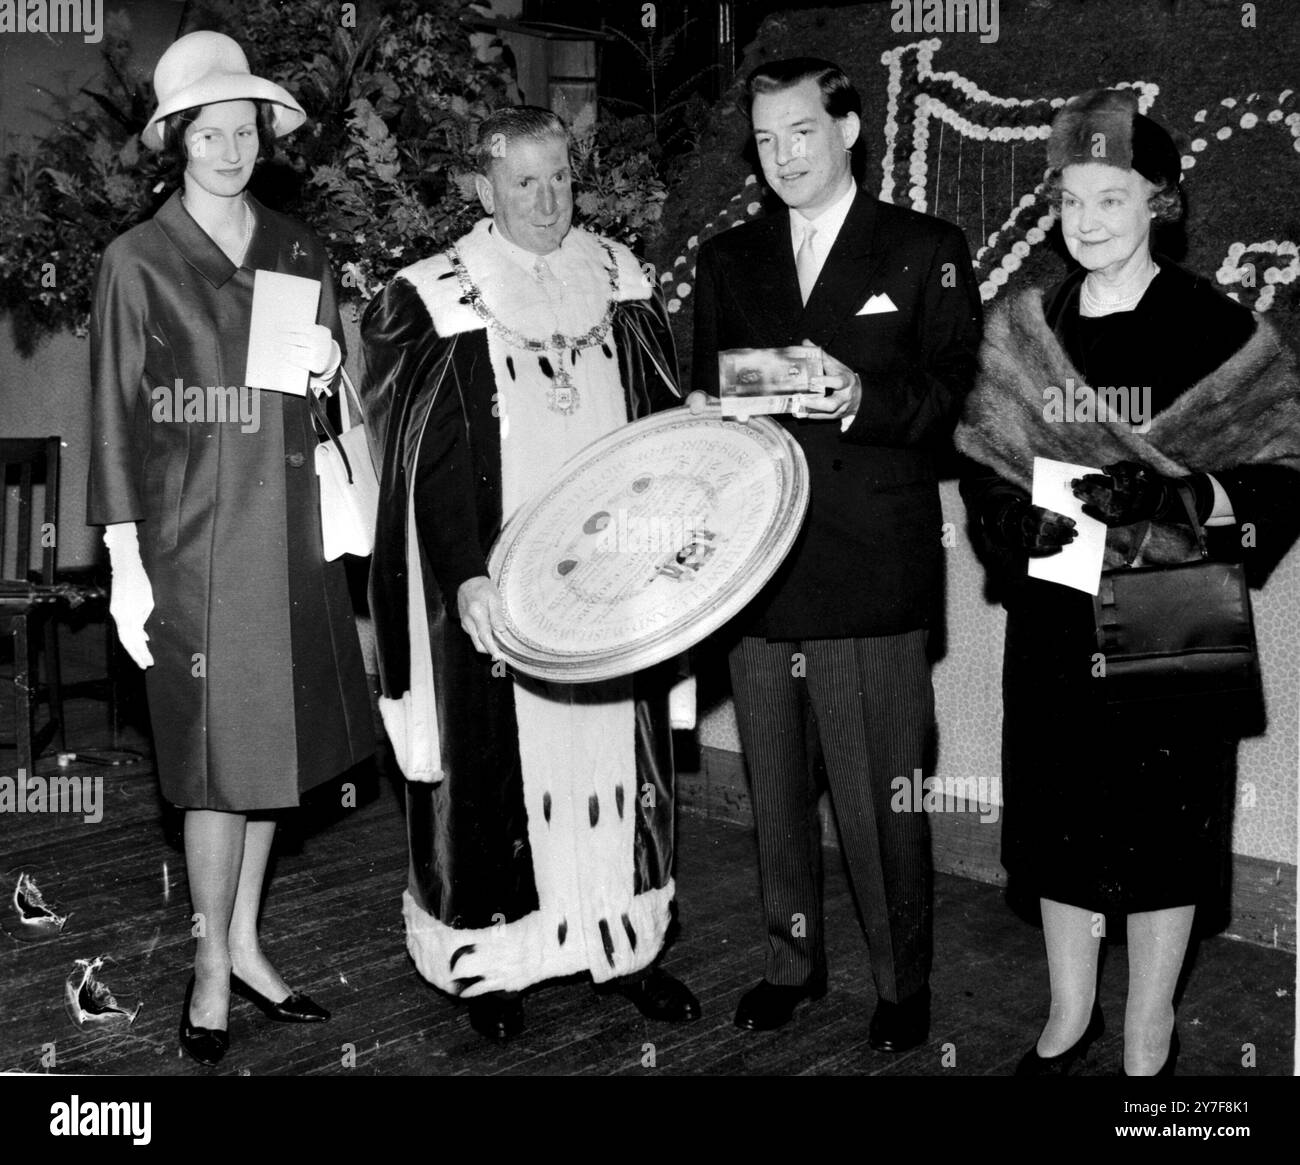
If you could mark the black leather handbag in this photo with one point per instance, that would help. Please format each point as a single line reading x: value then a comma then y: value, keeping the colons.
x: 1180, y: 641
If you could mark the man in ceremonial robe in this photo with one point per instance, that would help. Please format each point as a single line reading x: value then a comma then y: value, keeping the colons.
x: 539, y: 815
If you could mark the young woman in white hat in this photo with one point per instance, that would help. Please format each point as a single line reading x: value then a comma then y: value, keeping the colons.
x: 220, y: 588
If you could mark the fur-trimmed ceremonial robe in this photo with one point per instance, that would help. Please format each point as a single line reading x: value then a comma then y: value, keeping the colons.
x: 539, y: 815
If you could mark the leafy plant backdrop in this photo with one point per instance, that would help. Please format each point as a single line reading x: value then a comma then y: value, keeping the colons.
x: 380, y: 170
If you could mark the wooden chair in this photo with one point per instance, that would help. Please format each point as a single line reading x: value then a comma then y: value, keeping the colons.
x: 31, y: 596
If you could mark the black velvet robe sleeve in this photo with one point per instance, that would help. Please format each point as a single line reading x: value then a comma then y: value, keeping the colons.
x: 446, y: 485
x: 412, y: 392
x: 704, y: 342
x: 647, y: 356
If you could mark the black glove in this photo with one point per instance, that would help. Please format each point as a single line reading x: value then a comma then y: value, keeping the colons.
x: 1018, y: 524
x: 1131, y: 492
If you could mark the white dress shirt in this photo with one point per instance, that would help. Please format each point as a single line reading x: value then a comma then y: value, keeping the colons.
x: 827, y: 225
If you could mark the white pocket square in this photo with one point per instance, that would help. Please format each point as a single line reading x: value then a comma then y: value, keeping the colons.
x: 877, y: 304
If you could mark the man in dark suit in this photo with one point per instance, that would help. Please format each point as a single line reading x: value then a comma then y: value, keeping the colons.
x: 836, y: 644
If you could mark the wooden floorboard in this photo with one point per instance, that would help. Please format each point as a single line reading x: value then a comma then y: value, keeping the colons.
x: 333, y: 925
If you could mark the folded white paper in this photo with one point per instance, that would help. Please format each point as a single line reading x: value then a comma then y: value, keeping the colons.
x: 281, y: 303
x: 1078, y: 565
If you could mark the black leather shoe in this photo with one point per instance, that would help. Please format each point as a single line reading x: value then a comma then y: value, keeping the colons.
x: 293, y: 1008
x: 769, y: 1005
x: 498, y: 1015
x: 657, y: 995
x: 898, y: 1027
x: 1171, y: 1059
x: 205, y: 1044
x: 1062, y: 1064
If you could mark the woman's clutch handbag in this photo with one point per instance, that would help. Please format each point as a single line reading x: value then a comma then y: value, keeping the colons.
x: 349, y: 486
x: 1181, y: 640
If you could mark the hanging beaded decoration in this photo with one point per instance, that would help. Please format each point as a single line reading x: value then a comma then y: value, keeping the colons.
x: 562, y: 396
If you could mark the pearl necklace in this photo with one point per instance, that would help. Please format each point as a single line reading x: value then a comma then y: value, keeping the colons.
x: 248, y: 230
x: 1093, y: 303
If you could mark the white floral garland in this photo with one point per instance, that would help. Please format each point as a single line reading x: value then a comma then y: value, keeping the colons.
x: 727, y: 217
x: 1011, y: 235
x: 1217, y: 128
x: 1232, y: 270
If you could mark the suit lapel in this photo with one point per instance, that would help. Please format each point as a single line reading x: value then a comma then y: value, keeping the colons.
x: 770, y: 286
x: 841, y: 288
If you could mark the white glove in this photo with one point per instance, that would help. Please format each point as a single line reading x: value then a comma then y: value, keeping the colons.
x: 131, y: 599
x: 313, y: 349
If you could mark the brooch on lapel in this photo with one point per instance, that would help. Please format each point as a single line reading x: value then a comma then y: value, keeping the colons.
x: 296, y: 251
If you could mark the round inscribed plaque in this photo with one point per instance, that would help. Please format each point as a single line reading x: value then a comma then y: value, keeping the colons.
x: 645, y: 542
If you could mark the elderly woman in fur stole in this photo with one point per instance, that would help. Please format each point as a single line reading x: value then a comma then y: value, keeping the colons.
x: 1110, y: 815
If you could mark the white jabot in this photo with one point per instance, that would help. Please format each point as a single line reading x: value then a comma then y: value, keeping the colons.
x: 825, y: 230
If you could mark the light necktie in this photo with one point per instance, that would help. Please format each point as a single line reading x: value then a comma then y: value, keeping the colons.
x: 805, y: 263
x: 545, y: 276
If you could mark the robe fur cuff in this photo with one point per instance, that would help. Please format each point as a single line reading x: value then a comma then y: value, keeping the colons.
x: 532, y: 949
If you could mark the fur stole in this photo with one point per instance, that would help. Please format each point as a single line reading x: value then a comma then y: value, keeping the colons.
x: 1246, y: 412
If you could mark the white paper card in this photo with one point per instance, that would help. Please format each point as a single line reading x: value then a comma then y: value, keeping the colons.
x: 1078, y: 565
x: 281, y: 303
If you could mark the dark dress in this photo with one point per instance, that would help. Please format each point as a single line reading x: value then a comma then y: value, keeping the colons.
x: 1103, y: 810
x: 258, y: 690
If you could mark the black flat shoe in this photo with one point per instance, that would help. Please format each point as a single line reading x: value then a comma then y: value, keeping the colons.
x: 769, y: 1006
x: 205, y: 1044
x: 1167, y: 1068
x: 497, y: 1016
x: 1062, y: 1064
x: 293, y: 1008
x: 899, y: 1027
x: 657, y: 995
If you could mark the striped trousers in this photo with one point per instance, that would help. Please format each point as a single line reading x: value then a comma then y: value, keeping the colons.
x: 867, y: 706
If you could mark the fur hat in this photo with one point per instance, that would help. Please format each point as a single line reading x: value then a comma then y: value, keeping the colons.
x: 1104, y: 125
x: 206, y: 67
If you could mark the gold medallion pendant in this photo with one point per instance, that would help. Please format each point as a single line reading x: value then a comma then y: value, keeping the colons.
x: 562, y: 396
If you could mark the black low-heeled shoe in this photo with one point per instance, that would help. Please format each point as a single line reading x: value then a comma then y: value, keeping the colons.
x: 497, y: 1015
x: 293, y: 1008
x: 205, y: 1044
x: 656, y: 995
x: 1032, y: 1064
x: 769, y: 1006
x: 1171, y: 1058
x: 900, y: 1027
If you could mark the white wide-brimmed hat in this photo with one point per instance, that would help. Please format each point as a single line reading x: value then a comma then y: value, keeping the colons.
x: 205, y: 67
